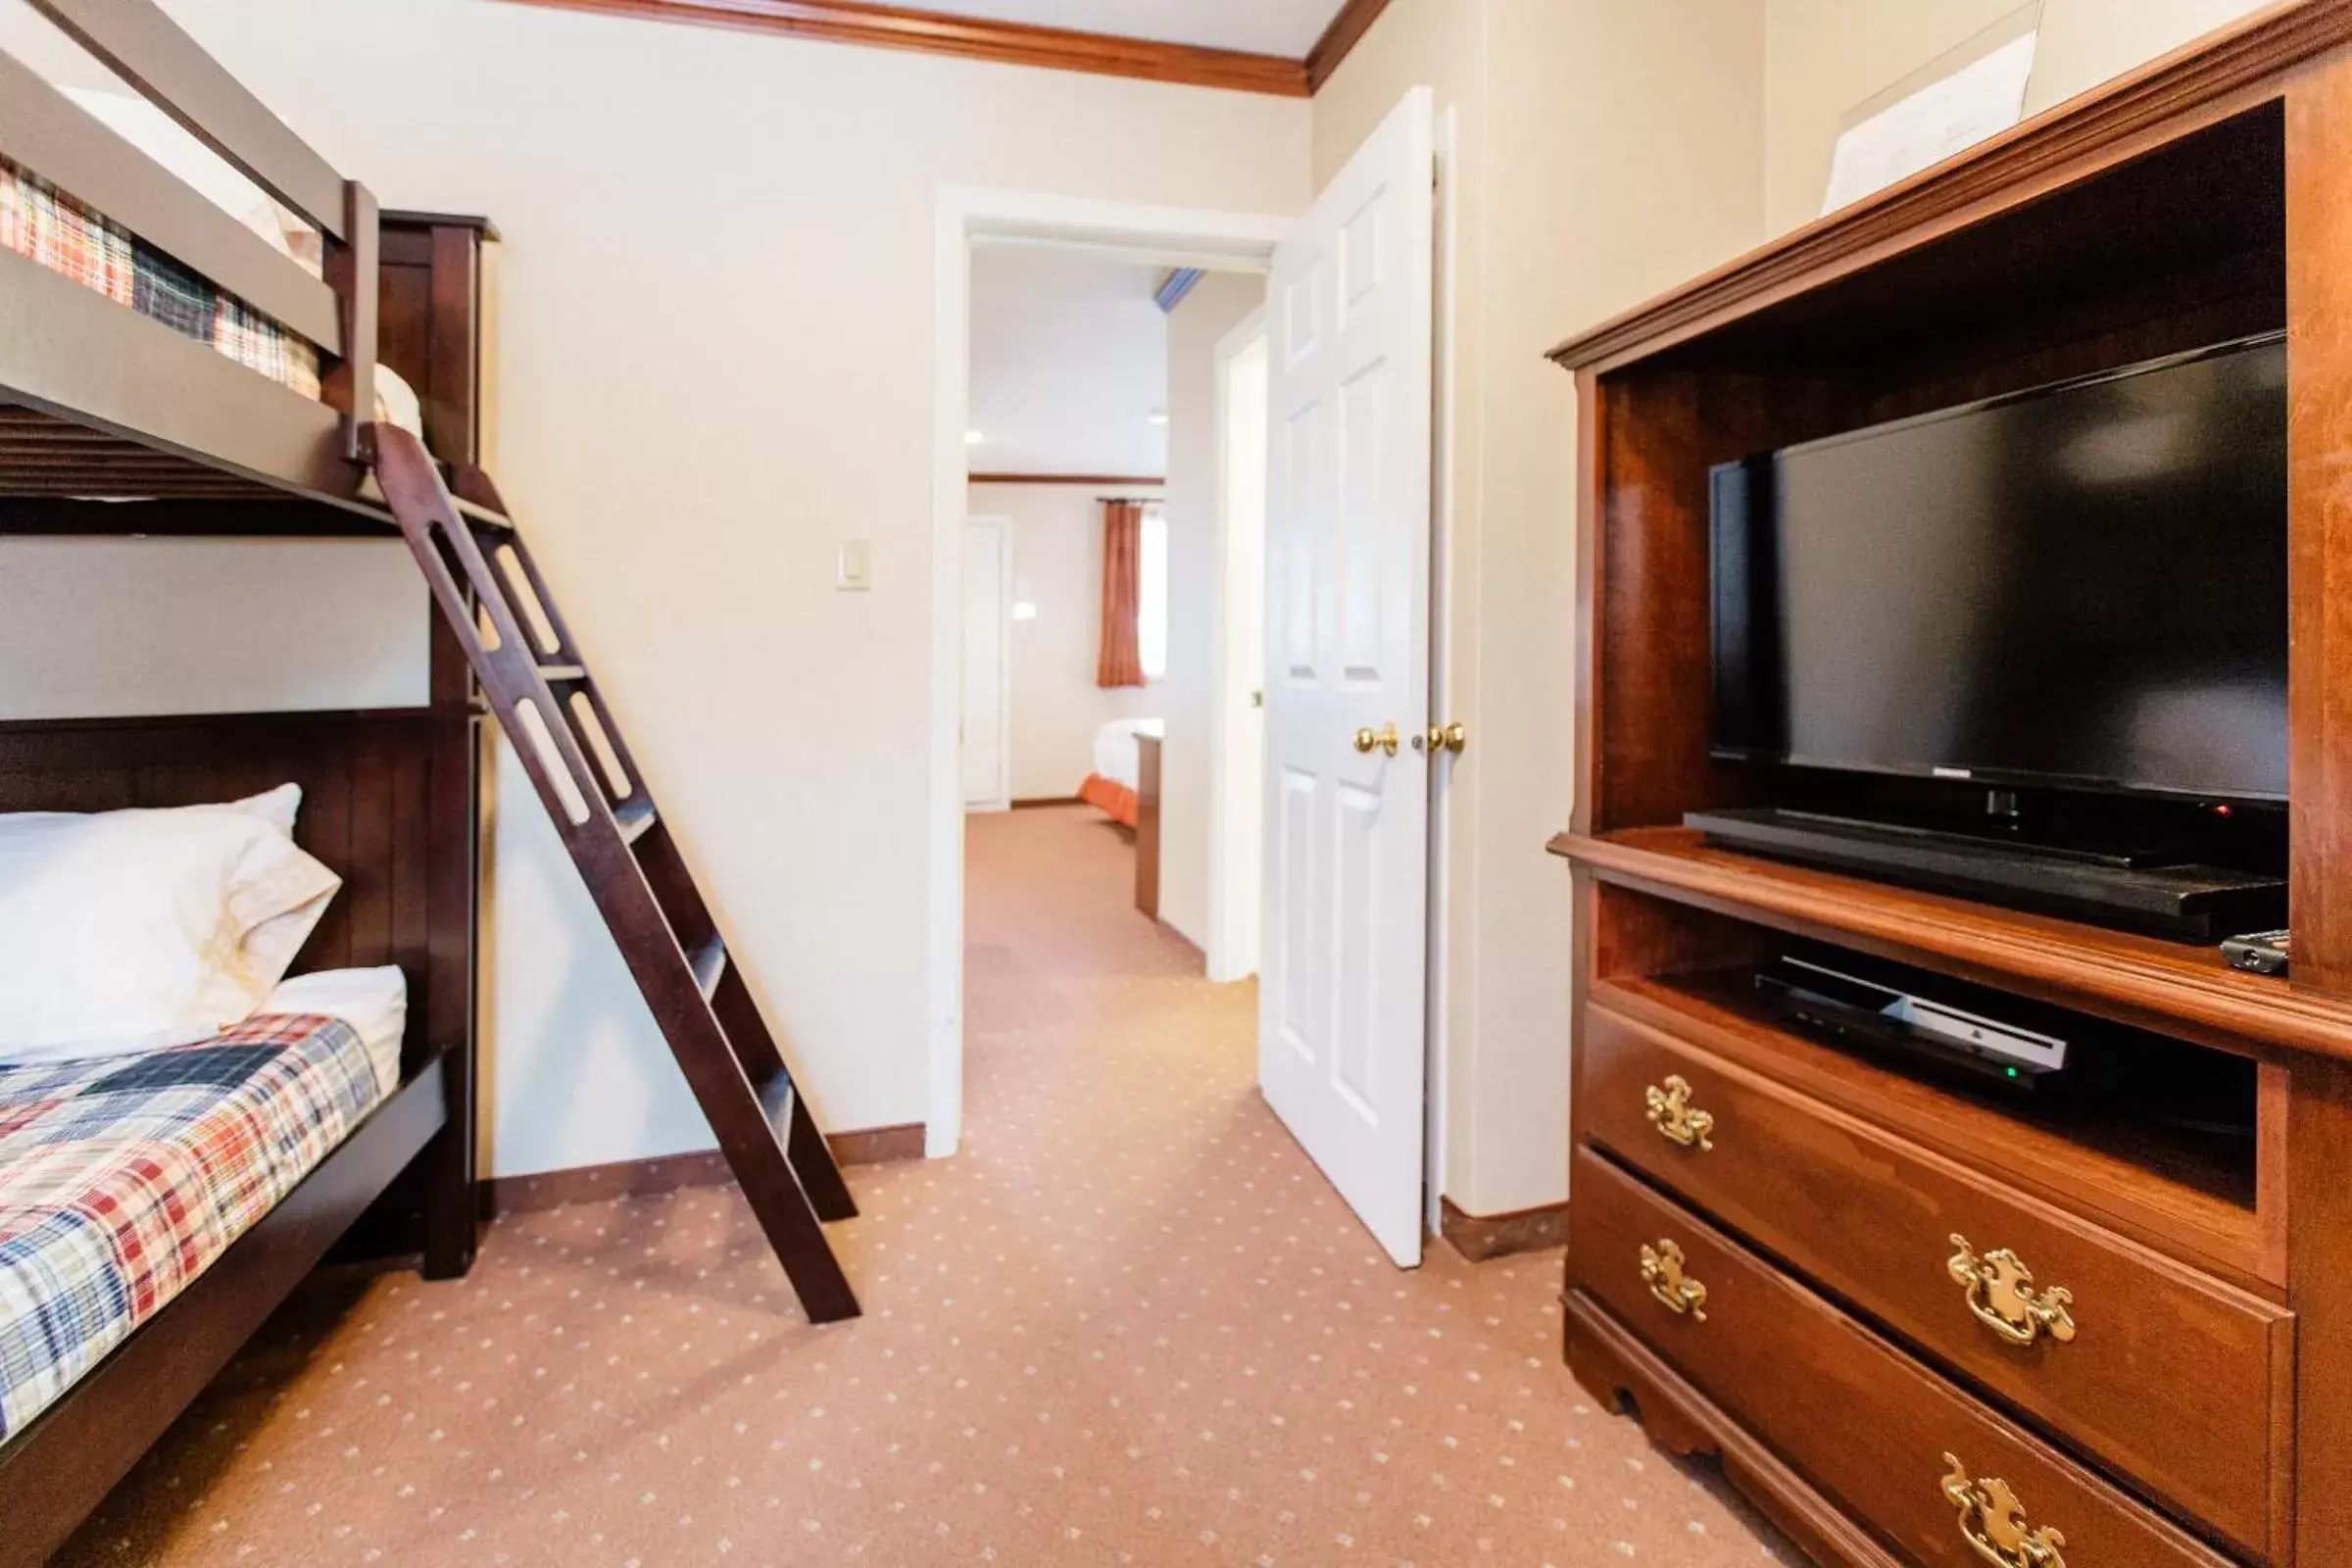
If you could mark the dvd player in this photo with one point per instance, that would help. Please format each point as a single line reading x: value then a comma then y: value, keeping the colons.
x: 1934, y: 1031
x: 2041, y: 1058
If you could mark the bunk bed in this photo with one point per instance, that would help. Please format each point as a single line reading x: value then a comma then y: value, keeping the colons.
x: 165, y: 368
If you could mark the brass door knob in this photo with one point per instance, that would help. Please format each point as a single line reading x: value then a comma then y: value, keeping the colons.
x: 1448, y: 738
x: 2002, y: 1293
x: 1676, y: 1291
x: 1993, y: 1522
x: 1384, y: 739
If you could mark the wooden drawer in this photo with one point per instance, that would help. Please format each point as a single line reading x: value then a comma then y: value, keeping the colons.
x: 2178, y: 1380
x: 1864, y: 1422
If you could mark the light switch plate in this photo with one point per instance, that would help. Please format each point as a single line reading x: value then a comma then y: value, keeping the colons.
x: 854, y: 567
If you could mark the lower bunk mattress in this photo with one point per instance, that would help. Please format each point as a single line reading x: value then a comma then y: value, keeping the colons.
x: 123, y: 1178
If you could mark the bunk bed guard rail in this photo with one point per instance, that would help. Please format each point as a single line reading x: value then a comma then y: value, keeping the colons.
x: 46, y: 133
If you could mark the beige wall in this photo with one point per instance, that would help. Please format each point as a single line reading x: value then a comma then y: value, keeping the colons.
x: 96, y: 628
x: 1824, y: 57
x: 715, y: 363
x: 1601, y: 152
x: 1057, y: 568
x: 1217, y: 305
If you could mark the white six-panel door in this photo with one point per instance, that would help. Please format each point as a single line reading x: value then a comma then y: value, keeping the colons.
x: 1342, y: 1031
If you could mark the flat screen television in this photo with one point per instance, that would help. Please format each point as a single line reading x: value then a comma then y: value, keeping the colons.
x: 2083, y: 585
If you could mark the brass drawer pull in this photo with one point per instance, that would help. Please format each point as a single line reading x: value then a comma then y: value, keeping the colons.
x: 1662, y: 1272
x: 2000, y: 1292
x: 1677, y: 1120
x: 1993, y: 1522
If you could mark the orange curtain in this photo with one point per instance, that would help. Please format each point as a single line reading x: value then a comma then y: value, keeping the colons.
x: 1121, y: 663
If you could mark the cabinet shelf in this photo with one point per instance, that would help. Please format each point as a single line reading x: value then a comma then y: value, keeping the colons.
x: 2144, y: 981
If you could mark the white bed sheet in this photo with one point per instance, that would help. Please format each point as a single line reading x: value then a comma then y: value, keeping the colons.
x: 373, y: 1002
x: 1115, y: 752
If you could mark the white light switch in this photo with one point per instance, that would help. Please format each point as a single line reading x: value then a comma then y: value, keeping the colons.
x: 854, y: 567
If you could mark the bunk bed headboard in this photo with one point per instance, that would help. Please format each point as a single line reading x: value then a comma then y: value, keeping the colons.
x: 369, y: 811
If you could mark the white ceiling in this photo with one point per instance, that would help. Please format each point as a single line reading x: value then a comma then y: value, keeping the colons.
x: 1069, y: 358
x: 1262, y: 27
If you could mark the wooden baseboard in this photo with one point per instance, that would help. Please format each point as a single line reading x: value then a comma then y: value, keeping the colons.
x: 642, y: 1178
x: 1030, y: 803
x: 1480, y: 1237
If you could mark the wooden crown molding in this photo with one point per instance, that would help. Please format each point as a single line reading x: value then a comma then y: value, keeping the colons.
x: 1345, y: 32
x: 2200, y: 82
x: 978, y: 38
x: 1111, y: 481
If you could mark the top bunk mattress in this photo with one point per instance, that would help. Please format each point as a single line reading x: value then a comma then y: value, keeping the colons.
x: 123, y: 1178
x: 45, y: 225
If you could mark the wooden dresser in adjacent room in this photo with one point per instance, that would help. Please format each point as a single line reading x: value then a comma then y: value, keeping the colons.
x: 1147, y: 825
x: 1920, y: 1325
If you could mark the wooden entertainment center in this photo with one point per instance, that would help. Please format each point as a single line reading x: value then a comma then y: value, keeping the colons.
x: 1920, y: 1325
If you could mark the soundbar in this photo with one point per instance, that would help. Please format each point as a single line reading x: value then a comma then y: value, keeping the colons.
x: 2194, y: 903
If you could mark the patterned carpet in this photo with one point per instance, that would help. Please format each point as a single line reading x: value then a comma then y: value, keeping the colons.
x: 1130, y: 1324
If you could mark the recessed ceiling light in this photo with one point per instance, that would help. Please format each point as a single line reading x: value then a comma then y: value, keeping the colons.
x: 972, y: 438
x: 1157, y: 415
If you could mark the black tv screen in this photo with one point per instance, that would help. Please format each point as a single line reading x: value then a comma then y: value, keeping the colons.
x: 2080, y: 585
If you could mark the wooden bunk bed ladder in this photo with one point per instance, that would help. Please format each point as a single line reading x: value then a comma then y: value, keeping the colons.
x: 531, y: 671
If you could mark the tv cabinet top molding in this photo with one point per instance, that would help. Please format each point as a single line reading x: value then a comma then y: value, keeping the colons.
x: 2194, y: 87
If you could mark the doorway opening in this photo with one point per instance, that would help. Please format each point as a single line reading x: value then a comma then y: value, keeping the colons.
x: 1029, y: 265
x: 1067, y: 446
x: 1348, y: 757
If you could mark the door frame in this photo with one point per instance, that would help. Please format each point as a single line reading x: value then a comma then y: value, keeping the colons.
x: 1001, y: 799
x: 1173, y: 236
x: 1230, y: 882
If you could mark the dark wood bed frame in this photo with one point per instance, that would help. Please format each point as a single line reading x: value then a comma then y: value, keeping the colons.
x: 113, y: 424
x: 377, y: 807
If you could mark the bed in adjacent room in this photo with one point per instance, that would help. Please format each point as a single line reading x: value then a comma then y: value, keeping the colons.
x: 1111, y: 788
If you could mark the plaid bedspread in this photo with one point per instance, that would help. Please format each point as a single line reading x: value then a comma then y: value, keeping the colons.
x: 123, y: 1179
x: 39, y: 221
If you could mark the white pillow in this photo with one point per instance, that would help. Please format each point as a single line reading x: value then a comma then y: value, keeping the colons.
x: 277, y: 807
x: 271, y: 944
x: 129, y: 931
x: 396, y: 401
